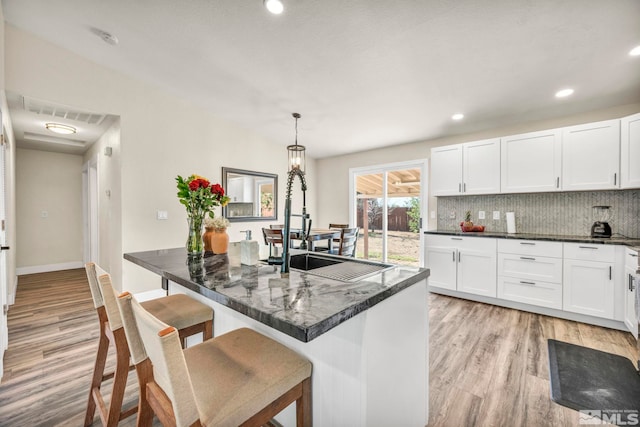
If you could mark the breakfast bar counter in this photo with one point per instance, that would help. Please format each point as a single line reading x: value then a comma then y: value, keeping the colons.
x: 367, y: 338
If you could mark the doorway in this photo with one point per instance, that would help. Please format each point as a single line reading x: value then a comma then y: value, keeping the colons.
x: 90, y: 211
x: 387, y: 204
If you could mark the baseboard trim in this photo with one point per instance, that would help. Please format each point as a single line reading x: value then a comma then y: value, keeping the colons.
x: 21, y: 271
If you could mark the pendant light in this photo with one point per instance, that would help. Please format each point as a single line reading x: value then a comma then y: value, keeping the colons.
x: 296, y: 152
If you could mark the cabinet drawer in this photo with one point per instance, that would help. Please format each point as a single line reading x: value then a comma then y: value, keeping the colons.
x: 462, y: 242
x: 530, y: 247
x: 530, y: 268
x: 538, y: 293
x: 590, y: 252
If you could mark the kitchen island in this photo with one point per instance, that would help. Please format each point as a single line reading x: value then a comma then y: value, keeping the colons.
x: 367, y: 338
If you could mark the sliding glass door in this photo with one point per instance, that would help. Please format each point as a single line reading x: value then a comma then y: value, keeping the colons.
x: 387, y: 202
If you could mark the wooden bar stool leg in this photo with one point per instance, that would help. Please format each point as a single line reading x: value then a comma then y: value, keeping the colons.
x: 303, y: 406
x: 120, y: 377
x: 98, y: 372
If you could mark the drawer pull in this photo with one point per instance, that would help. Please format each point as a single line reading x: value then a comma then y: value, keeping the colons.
x: 634, y: 255
x: 527, y: 258
x: 456, y: 238
x: 587, y: 247
x: 610, y: 271
x: 528, y: 243
x: 527, y: 283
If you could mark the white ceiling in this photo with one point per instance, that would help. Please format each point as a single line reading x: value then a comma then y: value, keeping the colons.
x: 363, y: 73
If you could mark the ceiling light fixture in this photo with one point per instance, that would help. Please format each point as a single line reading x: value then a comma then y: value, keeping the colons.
x: 458, y: 116
x: 635, y: 51
x: 274, y: 6
x: 296, y: 152
x: 60, y: 128
x: 564, y: 93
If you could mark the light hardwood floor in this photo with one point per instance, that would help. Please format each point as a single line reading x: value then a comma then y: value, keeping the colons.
x: 488, y: 365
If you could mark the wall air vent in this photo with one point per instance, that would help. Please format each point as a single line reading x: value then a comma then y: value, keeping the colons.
x: 61, y: 111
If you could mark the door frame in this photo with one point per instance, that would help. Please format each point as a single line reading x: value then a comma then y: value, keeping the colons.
x: 384, y: 169
x: 90, y: 209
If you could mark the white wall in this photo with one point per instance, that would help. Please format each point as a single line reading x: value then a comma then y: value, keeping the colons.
x: 333, y: 196
x: 161, y: 136
x: 51, y: 183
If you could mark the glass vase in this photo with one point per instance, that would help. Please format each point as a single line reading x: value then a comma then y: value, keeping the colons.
x: 195, y: 245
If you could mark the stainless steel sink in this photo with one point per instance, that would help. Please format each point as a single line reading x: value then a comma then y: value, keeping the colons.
x: 343, y: 269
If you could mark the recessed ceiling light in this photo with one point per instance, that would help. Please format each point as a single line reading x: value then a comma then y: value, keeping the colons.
x: 635, y: 51
x: 564, y: 93
x: 458, y: 116
x: 60, y: 128
x: 274, y: 6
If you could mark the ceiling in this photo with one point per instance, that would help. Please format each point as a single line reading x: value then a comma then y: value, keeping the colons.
x: 400, y: 183
x: 363, y: 73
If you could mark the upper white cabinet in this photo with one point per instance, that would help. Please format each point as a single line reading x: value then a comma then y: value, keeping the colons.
x: 630, y: 146
x: 446, y: 170
x: 481, y: 167
x: 470, y: 168
x: 531, y: 162
x: 591, y: 156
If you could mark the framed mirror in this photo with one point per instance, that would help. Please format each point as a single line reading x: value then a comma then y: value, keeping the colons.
x: 254, y: 195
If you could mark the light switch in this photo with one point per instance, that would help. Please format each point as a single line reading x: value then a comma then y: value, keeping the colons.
x: 162, y: 215
x: 496, y: 215
x: 480, y: 214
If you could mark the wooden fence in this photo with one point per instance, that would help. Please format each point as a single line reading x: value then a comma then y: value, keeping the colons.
x: 398, y: 219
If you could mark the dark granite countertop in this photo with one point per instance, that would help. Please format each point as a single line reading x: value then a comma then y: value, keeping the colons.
x: 633, y: 243
x: 303, y: 306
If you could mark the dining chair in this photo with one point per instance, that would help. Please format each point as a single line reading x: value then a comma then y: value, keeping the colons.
x: 189, y: 316
x: 241, y: 378
x: 348, y: 240
x: 332, y: 225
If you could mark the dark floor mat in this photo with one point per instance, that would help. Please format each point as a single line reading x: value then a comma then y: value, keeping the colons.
x: 596, y: 383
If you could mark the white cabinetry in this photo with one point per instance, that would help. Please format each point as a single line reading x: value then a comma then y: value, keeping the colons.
x: 588, y: 285
x: 631, y: 284
x: 630, y: 155
x: 470, y: 168
x: 465, y: 264
x: 531, y: 162
x: 591, y: 156
x: 530, y: 272
x: 446, y: 170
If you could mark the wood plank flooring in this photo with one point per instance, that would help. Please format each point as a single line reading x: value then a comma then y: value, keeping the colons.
x: 488, y: 365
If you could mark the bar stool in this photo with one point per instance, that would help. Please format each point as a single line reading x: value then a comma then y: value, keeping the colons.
x: 240, y: 378
x: 186, y: 314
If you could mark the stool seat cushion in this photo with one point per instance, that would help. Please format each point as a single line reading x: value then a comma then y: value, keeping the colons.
x: 237, y: 374
x: 179, y: 311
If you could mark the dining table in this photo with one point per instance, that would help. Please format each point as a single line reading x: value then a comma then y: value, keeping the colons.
x: 317, y: 235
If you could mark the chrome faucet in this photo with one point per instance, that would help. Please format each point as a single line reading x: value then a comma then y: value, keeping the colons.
x: 286, y: 232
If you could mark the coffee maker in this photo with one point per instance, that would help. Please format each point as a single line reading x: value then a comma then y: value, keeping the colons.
x: 601, y: 227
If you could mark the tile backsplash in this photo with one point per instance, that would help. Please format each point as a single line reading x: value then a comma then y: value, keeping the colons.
x: 567, y: 213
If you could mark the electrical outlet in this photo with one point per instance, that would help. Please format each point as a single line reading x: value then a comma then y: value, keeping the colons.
x: 480, y: 214
x: 452, y: 215
x: 496, y: 215
x: 162, y: 215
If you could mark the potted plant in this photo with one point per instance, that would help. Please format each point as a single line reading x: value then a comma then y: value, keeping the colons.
x: 467, y: 225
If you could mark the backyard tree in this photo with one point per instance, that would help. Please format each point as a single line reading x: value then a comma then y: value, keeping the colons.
x: 414, y: 214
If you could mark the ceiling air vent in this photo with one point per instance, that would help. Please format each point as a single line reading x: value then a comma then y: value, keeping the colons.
x: 61, y: 111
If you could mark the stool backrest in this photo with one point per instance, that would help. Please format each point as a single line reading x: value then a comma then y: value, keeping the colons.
x: 162, y: 345
x: 92, y: 276
x: 103, y: 294
x: 348, y: 239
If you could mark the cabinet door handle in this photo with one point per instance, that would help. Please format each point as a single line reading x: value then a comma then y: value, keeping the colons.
x: 629, y: 282
x: 615, y: 178
x: 527, y: 283
x: 587, y: 247
x: 459, y: 259
x: 527, y: 258
x: 527, y: 243
x: 558, y: 182
x: 610, y: 272
x: 464, y: 187
x: 459, y: 187
x: 454, y: 256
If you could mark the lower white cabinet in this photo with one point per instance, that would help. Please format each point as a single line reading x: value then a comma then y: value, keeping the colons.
x: 589, y: 285
x: 631, y: 285
x: 465, y: 264
x: 527, y: 277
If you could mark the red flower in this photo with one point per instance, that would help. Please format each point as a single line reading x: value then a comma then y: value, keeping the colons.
x: 217, y: 189
x: 197, y: 183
